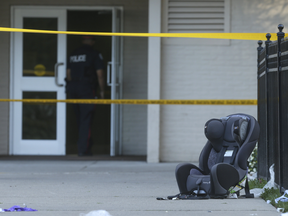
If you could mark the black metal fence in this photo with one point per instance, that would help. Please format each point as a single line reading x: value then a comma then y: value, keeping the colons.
x: 273, y: 108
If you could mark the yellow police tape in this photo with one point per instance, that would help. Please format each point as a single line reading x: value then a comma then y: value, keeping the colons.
x: 139, y: 102
x: 235, y: 36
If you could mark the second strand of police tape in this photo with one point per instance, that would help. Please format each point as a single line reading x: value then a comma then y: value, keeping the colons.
x: 140, y: 102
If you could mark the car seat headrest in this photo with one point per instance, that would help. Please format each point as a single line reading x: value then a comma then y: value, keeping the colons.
x: 214, y: 130
x: 240, y: 128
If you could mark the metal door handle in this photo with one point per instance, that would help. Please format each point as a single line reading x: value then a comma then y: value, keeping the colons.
x: 108, y: 73
x: 109, y: 83
x: 56, y: 73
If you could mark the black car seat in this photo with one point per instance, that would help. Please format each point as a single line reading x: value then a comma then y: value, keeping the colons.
x: 223, y: 160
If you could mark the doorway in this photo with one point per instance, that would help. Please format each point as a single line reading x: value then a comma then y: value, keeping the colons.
x: 90, y: 21
x: 38, y: 68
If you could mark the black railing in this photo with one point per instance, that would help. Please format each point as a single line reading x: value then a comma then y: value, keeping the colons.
x: 273, y: 108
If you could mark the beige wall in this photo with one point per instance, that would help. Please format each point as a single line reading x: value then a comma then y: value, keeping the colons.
x: 212, y: 72
x: 134, y: 71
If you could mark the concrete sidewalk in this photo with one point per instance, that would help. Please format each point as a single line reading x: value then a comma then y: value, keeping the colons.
x: 123, y: 188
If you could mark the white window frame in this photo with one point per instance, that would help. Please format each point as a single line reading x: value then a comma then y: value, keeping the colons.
x: 196, y: 41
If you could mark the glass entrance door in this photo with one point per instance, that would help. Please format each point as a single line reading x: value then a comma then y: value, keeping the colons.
x: 39, y: 62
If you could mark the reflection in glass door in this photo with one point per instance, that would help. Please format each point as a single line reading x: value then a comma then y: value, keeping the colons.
x: 39, y: 74
x: 39, y: 119
x: 39, y: 50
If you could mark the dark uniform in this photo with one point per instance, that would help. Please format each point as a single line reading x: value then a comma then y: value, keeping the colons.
x: 83, y: 64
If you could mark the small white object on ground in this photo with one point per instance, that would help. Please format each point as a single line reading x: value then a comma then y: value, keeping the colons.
x: 282, y: 198
x: 96, y: 213
x: 280, y: 209
x: 232, y: 196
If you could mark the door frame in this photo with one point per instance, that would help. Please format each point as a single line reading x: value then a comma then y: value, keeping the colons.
x: 12, y: 69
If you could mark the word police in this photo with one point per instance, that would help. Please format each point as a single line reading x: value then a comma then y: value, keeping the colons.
x: 79, y: 58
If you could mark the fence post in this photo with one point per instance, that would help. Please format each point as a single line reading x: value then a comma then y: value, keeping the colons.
x: 278, y: 151
x: 267, y: 42
x: 262, y: 114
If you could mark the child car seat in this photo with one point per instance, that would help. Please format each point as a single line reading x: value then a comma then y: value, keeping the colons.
x: 223, y: 160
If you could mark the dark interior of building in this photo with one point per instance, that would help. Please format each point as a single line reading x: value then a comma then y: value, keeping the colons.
x: 90, y: 21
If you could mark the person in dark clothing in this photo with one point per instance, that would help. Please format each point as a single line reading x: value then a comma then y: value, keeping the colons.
x: 85, y: 71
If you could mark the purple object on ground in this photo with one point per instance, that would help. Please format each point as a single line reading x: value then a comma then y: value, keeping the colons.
x: 18, y: 208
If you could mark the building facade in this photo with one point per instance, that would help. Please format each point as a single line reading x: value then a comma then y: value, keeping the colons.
x: 137, y: 68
